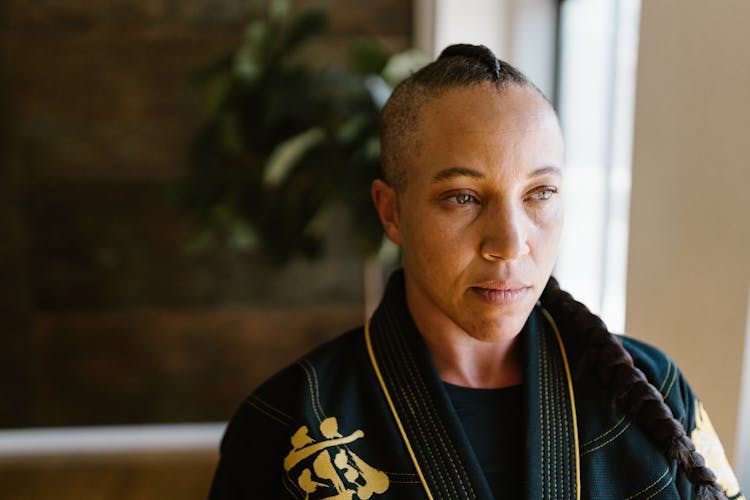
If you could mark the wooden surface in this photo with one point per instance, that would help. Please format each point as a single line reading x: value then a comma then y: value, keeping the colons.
x: 143, y: 476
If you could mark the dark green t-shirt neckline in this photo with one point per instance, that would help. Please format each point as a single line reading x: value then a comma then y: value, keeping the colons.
x: 493, y: 422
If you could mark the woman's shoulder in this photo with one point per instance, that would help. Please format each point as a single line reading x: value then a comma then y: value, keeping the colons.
x: 664, y: 374
x: 647, y: 357
x: 332, y: 357
x: 283, y: 400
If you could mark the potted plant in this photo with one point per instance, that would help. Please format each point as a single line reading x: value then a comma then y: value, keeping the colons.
x: 286, y: 143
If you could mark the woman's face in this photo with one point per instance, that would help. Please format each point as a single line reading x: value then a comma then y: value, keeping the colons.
x: 481, y: 214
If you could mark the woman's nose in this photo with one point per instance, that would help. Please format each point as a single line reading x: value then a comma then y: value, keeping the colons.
x: 504, y: 234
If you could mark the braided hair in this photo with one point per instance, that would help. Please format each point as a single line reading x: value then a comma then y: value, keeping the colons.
x: 594, y: 349
x: 591, y: 346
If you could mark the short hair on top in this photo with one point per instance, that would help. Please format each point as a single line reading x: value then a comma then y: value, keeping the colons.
x: 458, y: 65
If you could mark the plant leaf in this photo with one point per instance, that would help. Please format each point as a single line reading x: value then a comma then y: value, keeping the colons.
x: 285, y: 156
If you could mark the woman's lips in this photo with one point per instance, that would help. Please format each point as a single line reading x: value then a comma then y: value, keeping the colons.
x: 501, y: 296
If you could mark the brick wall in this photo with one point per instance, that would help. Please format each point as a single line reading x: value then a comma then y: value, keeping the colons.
x: 104, y: 318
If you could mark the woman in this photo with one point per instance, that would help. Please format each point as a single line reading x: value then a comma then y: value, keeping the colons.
x: 477, y: 376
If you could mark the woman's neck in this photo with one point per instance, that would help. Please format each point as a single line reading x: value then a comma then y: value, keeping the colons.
x: 468, y: 362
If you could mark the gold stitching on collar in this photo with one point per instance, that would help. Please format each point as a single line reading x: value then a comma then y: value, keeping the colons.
x: 446, y: 443
x: 374, y: 362
x: 572, y: 399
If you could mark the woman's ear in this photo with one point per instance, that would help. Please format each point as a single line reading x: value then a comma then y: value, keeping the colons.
x: 386, y: 203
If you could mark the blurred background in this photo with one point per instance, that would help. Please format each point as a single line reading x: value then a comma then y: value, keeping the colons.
x: 184, y: 208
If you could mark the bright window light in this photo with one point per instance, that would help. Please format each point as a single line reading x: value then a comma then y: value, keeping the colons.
x: 596, y: 91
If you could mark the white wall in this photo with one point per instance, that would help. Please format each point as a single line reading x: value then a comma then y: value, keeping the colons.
x: 689, y: 253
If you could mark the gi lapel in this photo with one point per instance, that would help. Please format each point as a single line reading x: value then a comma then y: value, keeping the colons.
x: 434, y: 438
x: 440, y: 451
x: 553, y: 469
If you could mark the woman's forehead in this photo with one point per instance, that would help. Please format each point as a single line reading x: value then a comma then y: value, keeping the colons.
x: 483, y: 106
x: 481, y: 122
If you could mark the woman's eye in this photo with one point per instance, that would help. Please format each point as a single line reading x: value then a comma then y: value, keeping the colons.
x: 459, y: 199
x: 543, y: 194
x: 463, y: 198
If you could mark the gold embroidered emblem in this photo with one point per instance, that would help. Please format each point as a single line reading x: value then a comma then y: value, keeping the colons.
x: 328, y: 469
x: 709, y: 446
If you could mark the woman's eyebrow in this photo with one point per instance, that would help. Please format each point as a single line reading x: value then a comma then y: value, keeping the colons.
x: 546, y: 170
x: 450, y: 173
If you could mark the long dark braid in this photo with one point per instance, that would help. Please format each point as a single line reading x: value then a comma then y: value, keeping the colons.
x: 593, y: 348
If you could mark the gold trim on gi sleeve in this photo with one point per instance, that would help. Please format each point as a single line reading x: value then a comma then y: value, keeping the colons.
x: 707, y: 443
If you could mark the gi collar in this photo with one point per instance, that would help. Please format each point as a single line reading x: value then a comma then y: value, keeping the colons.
x: 430, y: 428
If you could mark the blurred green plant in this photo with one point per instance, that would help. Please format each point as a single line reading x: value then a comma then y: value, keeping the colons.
x: 286, y: 143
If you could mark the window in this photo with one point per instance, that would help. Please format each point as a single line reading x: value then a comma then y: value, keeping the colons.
x: 596, y: 92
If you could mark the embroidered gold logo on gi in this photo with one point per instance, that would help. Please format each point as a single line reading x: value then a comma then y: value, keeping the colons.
x: 328, y: 469
x: 708, y: 444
